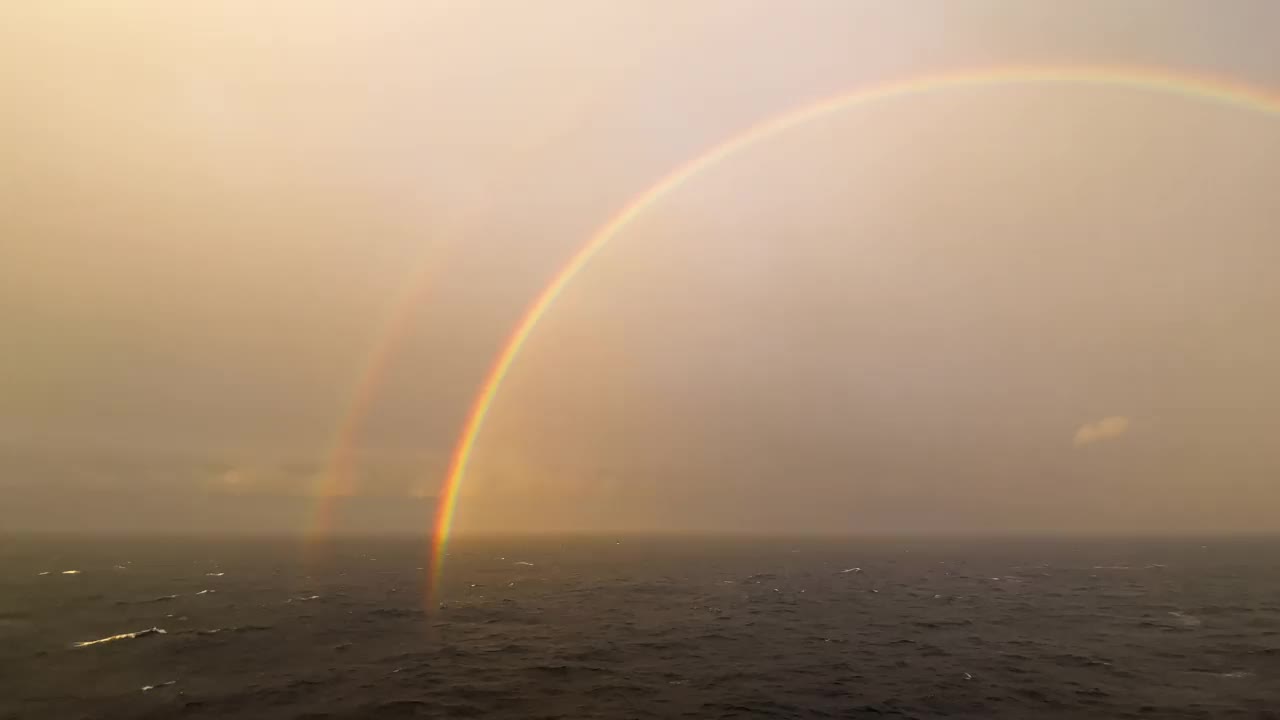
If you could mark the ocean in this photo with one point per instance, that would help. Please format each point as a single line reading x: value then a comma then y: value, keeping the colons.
x: 640, y: 627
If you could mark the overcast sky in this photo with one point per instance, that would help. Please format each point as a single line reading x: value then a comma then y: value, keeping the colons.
x: 1037, y: 308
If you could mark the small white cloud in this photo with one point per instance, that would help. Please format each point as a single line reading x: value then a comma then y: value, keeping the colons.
x: 1108, y: 428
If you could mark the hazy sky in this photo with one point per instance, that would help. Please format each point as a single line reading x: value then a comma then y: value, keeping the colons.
x: 1032, y: 308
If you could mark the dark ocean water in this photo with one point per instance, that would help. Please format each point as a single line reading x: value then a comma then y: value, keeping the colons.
x: 642, y: 628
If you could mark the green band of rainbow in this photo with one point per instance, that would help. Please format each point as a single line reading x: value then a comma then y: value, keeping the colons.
x: 1189, y: 85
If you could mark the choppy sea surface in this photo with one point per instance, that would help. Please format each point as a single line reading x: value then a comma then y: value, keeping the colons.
x: 637, y: 627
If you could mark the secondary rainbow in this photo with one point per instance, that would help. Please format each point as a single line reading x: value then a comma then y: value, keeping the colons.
x: 339, y: 476
x: 1194, y: 86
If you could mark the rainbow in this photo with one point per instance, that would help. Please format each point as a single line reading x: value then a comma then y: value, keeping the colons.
x: 338, y: 478
x: 1192, y: 86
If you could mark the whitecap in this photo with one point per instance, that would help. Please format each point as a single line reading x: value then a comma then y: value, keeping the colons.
x: 121, y: 636
x: 149, y: 688
x: 70, y: 572
x: 232, y: 629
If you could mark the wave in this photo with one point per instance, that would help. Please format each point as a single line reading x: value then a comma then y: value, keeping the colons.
x: 121, y: 636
